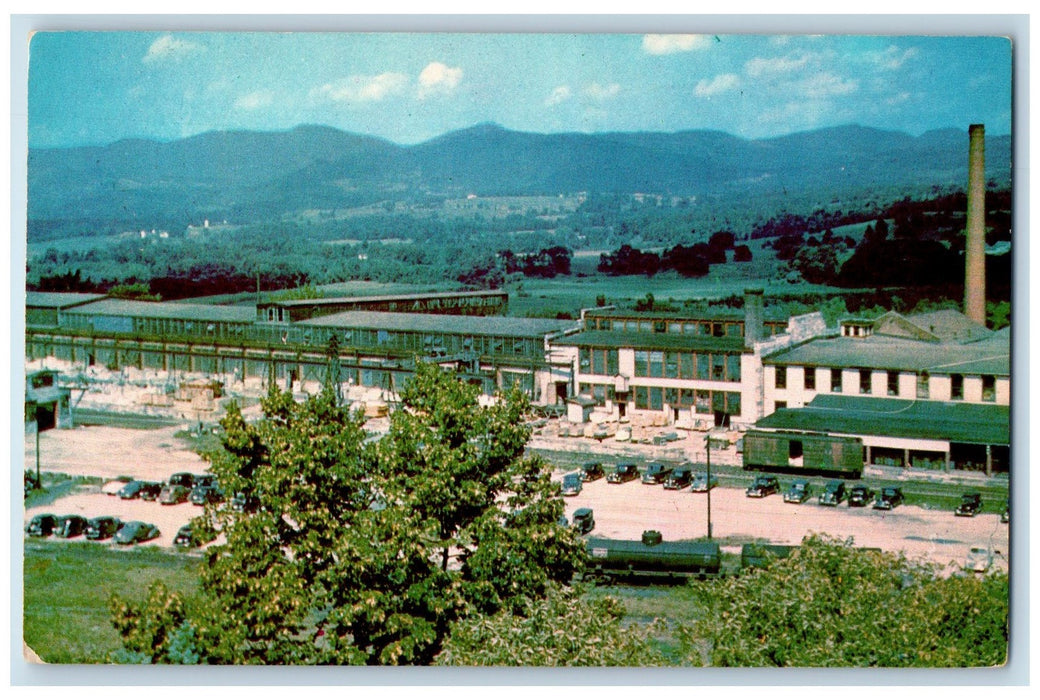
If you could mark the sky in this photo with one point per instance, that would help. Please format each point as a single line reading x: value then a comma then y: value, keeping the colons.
x: 94, y: 88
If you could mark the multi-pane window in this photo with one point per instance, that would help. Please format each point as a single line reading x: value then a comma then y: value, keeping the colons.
x: 864, y: 381
x: 598, y: 361
x: 781, y: 377
x: 681, y: 365
x: 835, y: 380
x: 810, y: 379
x: 923, y: 391
x: 956, y: 387
x: 601, y: 393
x: 989, y: 387
x: 893, y: 383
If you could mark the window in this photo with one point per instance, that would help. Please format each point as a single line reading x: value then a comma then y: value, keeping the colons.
x: 810, y: 379
x: 733, y: 368
x: 718, y: 367
x: 656, y: 363
x: 656, y: 398
x: 642, y: 361
x: 718, y: 330
x: 989, y: 387
x: 641, y: 397
x: 702, y: 401
x: 671, y: 365
x: 781, y: 377
x: 956, y: 387
x: 702, y: 366
x: 864, y: 381
x: 835, y: 380
x: 686, y: 363
x: 781, y: 404
x: 893, y: 383
x: 923, y: 391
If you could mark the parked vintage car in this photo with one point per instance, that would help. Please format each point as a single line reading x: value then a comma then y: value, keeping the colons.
x: 191, y: 536
x: 185, y: 479
x: 701, y: 483
x: 173, y: 494
x: 151, y: 490
x: 70, y: 526
x: 656, y: 473
x: 798, y: 492
x: 131, y: 489
x: 583, y: 521
x: 590, y: 471
x: 971, y: 503
x: 833, y: 493
x: 626, y: 471
x: 762, y: 487
x: 571, y: 484
x: 41, y: 525
x: 112, y: 488
x: 889, y: 498
x: 136, y: 531
x: 103, y: 527
x: 206, y: 493
x: 680, y: 477
x: 860, y: 496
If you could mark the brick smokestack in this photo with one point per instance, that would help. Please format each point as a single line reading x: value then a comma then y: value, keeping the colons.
x: 975, y: 234
x: 754, y: 329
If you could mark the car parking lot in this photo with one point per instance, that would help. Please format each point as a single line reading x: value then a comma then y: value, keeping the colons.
x: 625, y: 510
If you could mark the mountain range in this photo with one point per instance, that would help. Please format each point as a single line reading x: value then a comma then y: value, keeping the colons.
x: 247, y: 176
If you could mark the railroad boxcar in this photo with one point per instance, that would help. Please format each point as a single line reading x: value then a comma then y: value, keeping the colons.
x: 803, y: 453
x: 650, y: 558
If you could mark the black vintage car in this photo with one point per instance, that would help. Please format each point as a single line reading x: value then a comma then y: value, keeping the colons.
x: 680, y: 478
x: 41, y: 525
x: 622, y: 473
x: 185, y: 479
x: 136, y: 531
x: 571, y: 484
x: 762, y: 487
x: 971, y: 503
x: 103, y: 527
x: 591, y: 471
x: 860, y: 496
x: 206, y: 493
x: 799, y: 491
x: 150, y: 491
x: 132, y: 490
x: 889, y: 498
x: 173, y: 494
x: 70, y: 526
x: 191, y: 536
x: 583, y: 521
x: 833, y: 493
x: 656, y: 473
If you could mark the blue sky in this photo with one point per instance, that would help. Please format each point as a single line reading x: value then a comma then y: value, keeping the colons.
x: 99, y: 87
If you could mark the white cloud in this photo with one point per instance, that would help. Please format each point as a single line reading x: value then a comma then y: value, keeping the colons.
x: 561, y: 93
x: 720, y: 83
x: 596, y: 91
x: 758, y: 67
x: 362, y: 88
x: 822, y: 85
x: 892, y: 57
x: 660, y: 44
x: 255, y: 100
x: 167, y: 47
x: 437, y: 78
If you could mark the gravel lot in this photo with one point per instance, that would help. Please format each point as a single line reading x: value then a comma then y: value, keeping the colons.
x: 621, y: 510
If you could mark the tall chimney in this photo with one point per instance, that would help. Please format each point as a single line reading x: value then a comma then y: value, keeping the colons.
x: 753, y: 317
x: 975, y: 234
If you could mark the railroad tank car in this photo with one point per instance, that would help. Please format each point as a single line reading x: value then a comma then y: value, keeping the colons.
x: 803, y: 453
x: 650, y: 558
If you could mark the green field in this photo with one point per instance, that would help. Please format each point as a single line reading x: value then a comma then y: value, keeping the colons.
x: 67, y: 587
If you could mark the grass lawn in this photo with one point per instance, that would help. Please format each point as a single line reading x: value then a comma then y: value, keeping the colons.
x: 67, y: 587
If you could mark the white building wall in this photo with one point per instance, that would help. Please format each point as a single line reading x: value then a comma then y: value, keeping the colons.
x: 939, y: 387
x: 878, y: 383
x: 850, y: 382
x: 1003, y: 391
x: 908, y: 385
x: 973, y: 389
x: 627, y: 362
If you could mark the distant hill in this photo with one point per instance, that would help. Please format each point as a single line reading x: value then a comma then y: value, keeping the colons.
x: 254, y: 176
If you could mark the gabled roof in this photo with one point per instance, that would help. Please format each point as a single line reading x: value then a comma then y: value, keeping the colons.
x: 167, y: 309
x: 943, y: 326
x: 956, y: 421
x: 59, y: 300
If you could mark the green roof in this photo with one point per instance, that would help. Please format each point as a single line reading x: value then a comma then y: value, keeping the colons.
x: 332, y: 301
x: 167, y: 309
x: 984, y: 424
x: 650, y: 341
x: 59, y: 300
x: 714, y: 314
x: 443, y: 323
x: 989, y: 356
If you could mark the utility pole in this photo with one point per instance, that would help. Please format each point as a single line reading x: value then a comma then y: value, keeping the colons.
x: 707, y: 441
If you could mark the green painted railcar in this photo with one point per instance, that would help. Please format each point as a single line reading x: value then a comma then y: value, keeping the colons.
x: 803, y: 453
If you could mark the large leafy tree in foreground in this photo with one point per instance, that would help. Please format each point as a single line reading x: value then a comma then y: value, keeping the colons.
x: 362, y: 552
x: 833, y: 605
